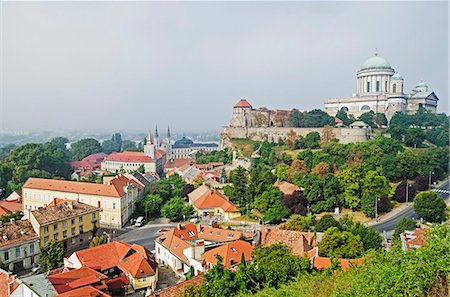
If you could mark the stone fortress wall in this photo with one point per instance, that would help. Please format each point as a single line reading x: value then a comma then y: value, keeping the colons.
x: 343, y: 134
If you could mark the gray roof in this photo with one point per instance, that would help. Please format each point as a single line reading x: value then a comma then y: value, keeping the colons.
x: 422, y: 94
x: 39, y: 283
x: 358, y: 124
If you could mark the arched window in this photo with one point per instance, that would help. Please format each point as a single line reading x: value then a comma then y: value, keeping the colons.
x: 385, y: 86
x: 368, y: 86
x: 394, y: 88
x: 378, y: 86
x: 365, y: 107
x: 344, y: 108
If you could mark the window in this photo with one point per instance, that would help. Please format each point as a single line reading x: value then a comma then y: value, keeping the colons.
x: 365, y: 107
x: 344, y: 108
x: 233, y: 250
x: 368, y: 86
x: 64, y: 224
x: 394, y: 88
x: 73, y: 222
x: 81, y: 229
x: 73, y: 230
x: 93, y: 216
x: 114, y: 205
x: 17, y: 252
x: 6, y: 255
x: 55, y: 227
x: 191, y: 233
x: 73, y: 240
x: 45, y: 239
x: 80, y: 220
x: 65, y: 233
x: 385, y: 86
x: 45, y: 229
x: 32, y: 248
x: 378, y: 86
x: 55, y: 236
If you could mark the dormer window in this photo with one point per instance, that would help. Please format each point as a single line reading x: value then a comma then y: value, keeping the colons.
x: 190, y: 233
x: 233, y: 250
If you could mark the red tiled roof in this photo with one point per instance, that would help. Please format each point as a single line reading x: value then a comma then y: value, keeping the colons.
x: 118, y: 282
x: 7, y: 207
x: 177, y: 163
x: 287, y: 188
x: 178, y: 289
x: 104, y: 256
x: 415, y: 238
x: 57, y: 201
x: 243, y: 103
x: 323, y: 263
x: 137, y: 157
x: 139, y: 264
x: 222, y: 235
x: 299, y: 242
x: 212, y: 199
x: 114, y: 189
x: 76, y: 278
x: 231, y: 253
x: 8, y: 283
x: 88, y: 291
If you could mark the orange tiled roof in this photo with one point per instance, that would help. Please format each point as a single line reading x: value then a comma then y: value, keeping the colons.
x: 177, y: 163
x: 139, y: 264
x: 114, y: 189
x: 243, y: 103
x: 88, y: 291
x: 231, y: 253
x: 8, y: 283
x: 299, y: 242
x: 323, y: 262
x: 222, y: 235
x: 76, y: 278
x: 7, y: 207
x: 212, y: 199
x: 287, y: 188
x: 104, y: 256
x: 415, y: 238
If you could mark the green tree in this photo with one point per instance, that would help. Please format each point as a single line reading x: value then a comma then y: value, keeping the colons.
x: 370, y: 238
x: 367, y: 118
x: 85, y: 147
x: 270, y: 204
x: 151, y: 204
x: 299, y: 223
x: 176, y: 210
x: 375, y: 186
x: 281, y: 171
x: 318, y: 118
x: 52, y: 255
x: 296, y: 118
x: 404, y: 224
x: 129, y: 146
x: 219, y: 282
x: 312, y: 140
x: 97, y: 240
x: 239, y: 179
x: 414, y: 137
x: 343, y: 116
x: 340, y: 244
x: 325, y: 222
x: 429, y: 206
x: 380, y: 119
x: 276, y: 266
x: 351, y: 183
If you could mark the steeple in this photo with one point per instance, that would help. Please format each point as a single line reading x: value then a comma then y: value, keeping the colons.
x: 149, y: 138
x: 157, y: 143
x: 168, y: 132
x: 149, y: 147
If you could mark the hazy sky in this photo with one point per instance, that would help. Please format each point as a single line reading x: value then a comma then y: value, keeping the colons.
x: 131, y: 65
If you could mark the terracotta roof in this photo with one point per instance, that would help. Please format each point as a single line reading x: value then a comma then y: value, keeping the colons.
x: 212, y: 199
x: 197, y: 193
x: 76, y: 278
x: 323, y: 262
x: 139, y: 264
x: 137, y: 157
x: 177, y: 163
x: 299, y: 242
x: 415, y: 238
x: 7, y: 207
x: 243, y: 103
x: 222, y: 235
x: 287, y: 188
x: 17, y: 232
x: 8, y: 283
x: 337, y: 120
x: 114, y: 189
x: 61, y: 209
x: 88, y: 291
x: 231, y: 253
x: 178, y: 289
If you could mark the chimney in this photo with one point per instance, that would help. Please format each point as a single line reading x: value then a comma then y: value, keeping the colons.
x: 179, y: 226
x: 12, y: 220
x: 70, y: 204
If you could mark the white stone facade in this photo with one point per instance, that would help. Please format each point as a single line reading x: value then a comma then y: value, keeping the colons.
x: 381, y: 90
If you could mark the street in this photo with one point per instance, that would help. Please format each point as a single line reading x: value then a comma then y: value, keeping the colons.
x: 389, y: 224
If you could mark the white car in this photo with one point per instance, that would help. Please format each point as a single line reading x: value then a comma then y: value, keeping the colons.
x: 194, y: 220
x: 139, y: 222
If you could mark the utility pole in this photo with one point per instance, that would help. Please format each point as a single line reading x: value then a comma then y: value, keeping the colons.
x: 429, y: 179
x: 407, y: 188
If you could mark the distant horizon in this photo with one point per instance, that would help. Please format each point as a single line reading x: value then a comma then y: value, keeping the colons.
x: 109, y: 66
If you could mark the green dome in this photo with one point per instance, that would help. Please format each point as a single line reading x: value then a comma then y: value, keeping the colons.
x: 397, y: 76
x: 376, y: 62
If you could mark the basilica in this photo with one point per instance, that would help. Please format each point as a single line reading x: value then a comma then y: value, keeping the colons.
x: 380, y: 89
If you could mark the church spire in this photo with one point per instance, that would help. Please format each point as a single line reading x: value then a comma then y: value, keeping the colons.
x: 149, y: 138
x: 156, y: 132
x: 168, y: 132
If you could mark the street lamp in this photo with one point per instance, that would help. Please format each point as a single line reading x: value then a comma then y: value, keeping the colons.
x: 376, y: 209
x: 407, y: 190
x: 429, y: 179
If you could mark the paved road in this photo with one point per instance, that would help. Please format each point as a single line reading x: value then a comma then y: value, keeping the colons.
x: 389, y: 224
x: 144, y: 235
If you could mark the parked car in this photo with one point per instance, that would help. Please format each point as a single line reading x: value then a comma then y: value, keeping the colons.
x: 139, y: 222
x: 194, y: 220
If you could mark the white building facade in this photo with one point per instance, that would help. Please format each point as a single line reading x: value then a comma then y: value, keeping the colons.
x: 381, y: 90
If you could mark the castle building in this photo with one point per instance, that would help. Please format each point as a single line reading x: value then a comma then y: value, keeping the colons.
x: 186, y: 148
x: 379, y: 88
x: 153, y: 159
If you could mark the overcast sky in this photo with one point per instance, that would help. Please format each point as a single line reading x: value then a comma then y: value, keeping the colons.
x: 129, y: 66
